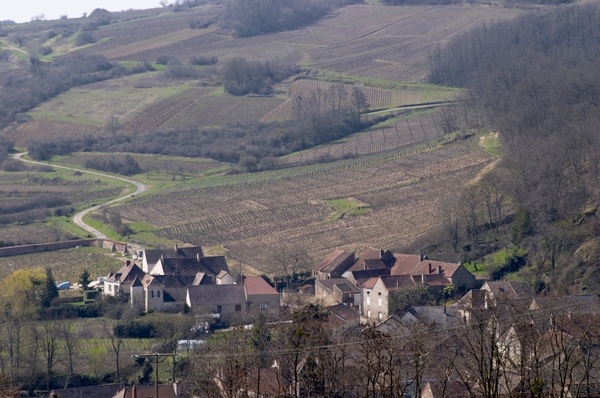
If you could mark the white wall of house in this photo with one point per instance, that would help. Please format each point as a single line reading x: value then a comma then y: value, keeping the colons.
x: 374, y: 302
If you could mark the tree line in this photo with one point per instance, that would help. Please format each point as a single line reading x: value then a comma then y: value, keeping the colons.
x: 532, y: 80
x: 498, y: 351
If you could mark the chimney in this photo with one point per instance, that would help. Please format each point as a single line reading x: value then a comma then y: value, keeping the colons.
x: 162, y: 257
x: 176, y: 248
x: 381, y: 253
x: 421, y: 257
x: 128, y: 263
x: 198, y: 257
x: 133, y: 392
x: 424, y: 279
x: 439, y: 269
x: 429, y: 268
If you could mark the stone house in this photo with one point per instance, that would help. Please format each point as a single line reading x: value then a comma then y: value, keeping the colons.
x: 455, y: 273
x: 121, y: 281
x: 379, y: 273
x: 260, y: 296
x: 337, y: 290
x: 334, y: 265
x: 225, y: 302
x: 151, y: 256
x: 374, y: 295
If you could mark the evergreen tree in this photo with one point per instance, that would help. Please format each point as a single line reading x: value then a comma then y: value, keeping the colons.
x: 50, y: 291
x: 84, y: 279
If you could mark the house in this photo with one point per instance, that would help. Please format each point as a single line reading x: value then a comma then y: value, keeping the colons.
x: 377, y: 273
x: 393, y: 326
x: 221, y: 301
x: 507, y: 290
x: 260, y: 296
x: 455, y: 273
x: 120, y: 282
x: 337, y: 290
x: 504, y: 293
x: 439, y: 315
x: 164, y: 391
x: 151, y: 256
x: 334, y: 265
x: 374, y: 294
x: 103, y: 390
x: 443, y: 389
x: 342, y: 315
x: 161, y: 283
x: 226, y: 302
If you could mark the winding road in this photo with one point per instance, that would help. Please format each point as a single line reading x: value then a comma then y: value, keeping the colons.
x: 78, y: 218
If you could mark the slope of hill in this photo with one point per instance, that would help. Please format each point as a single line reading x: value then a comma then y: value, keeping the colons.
x: 402, y: 170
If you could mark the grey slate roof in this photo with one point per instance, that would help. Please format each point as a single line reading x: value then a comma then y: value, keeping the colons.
x: 153, y: 255
x: 216, y: 294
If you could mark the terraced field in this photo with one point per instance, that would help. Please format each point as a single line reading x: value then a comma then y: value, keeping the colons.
x: 404, y: 190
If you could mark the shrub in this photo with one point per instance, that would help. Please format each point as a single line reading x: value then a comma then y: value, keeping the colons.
x: 202, y: 60
x: 84, y: 38
x: 45, y: 50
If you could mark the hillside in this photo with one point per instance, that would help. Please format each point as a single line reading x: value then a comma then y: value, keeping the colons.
x: 404, y: 167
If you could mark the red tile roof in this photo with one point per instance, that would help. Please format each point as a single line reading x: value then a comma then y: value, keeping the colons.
x: 257, y: 285
x: 333, y: 260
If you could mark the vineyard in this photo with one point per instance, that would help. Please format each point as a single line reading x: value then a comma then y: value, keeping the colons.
x: 377, y: 97
x: 404, y: 190
x: 123, y: 35
x: 405, y: 132
x: 47, y: 129
x: 397, y: 45
x: 222, y: 109
x: 390, y: 43
x: 66, y: 265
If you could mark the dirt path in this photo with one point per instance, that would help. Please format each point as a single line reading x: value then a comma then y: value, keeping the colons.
x: 78, y: 218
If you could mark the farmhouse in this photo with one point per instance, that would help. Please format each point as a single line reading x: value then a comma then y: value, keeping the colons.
x: 367, y: 281
x: 191, y: 279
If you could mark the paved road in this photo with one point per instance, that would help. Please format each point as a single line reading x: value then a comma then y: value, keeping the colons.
x: 78, y: 218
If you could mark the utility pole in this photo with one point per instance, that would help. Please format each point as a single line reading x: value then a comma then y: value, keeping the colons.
x: 158, y: 358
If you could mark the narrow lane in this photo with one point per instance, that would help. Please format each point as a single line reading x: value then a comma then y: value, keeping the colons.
x: 78, y: 218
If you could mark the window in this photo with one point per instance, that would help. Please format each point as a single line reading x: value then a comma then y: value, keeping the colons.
x: 238, y: 307
x: 155, y: 293
x: 379, y: 316
x: 110, y: 288
x: 368, y: 300
x: 379, y: 302
x: 368, y: 313
x: 263, y: 307
x: 219, y: 309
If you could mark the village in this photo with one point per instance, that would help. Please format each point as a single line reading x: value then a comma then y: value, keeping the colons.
x: 351, y: 296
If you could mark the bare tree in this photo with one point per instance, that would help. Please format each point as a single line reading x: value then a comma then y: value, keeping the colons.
x: 49, y: 337
x: 112, y: 124
x: 288, y: 262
